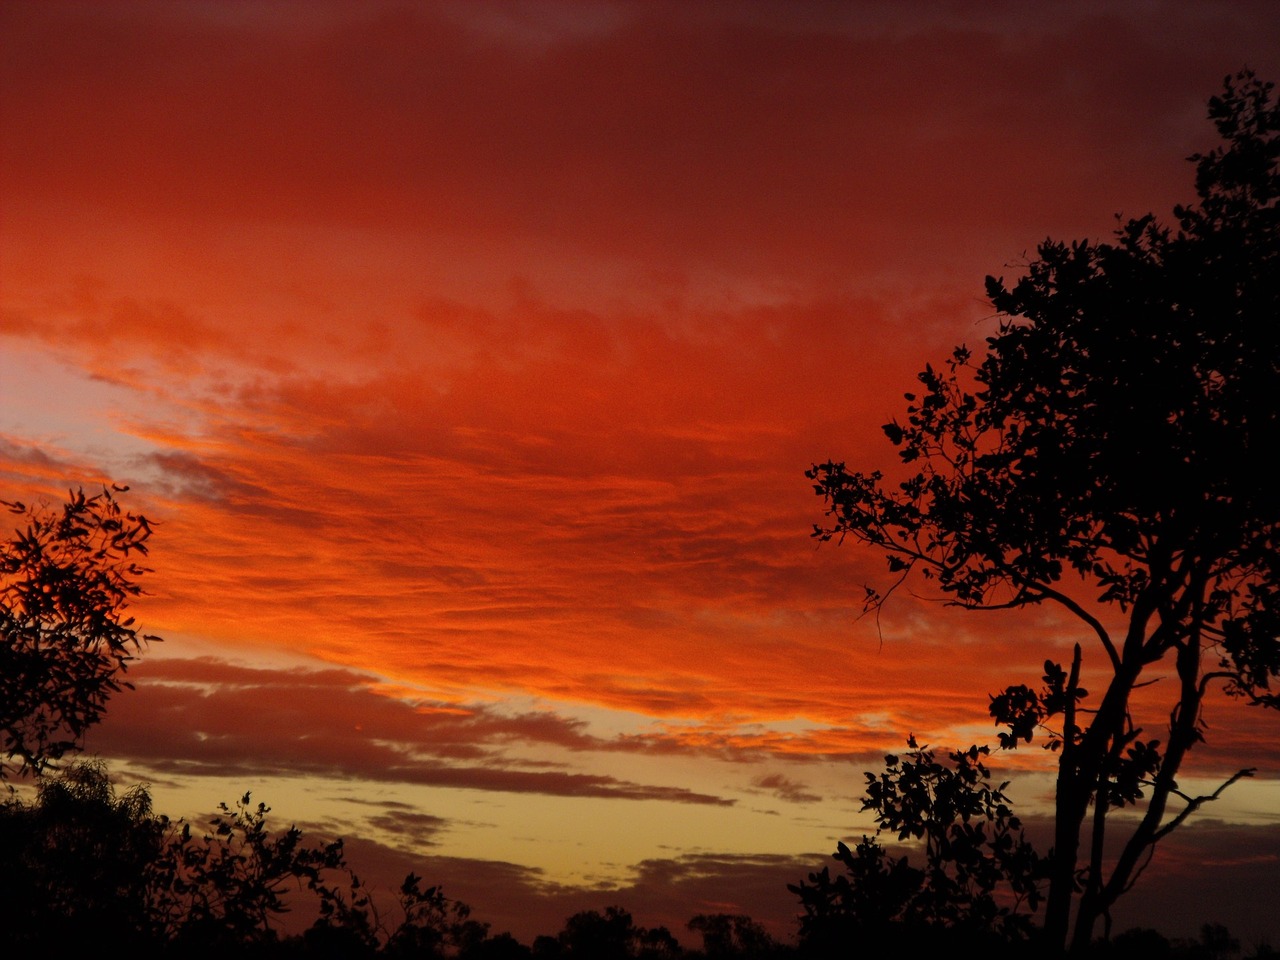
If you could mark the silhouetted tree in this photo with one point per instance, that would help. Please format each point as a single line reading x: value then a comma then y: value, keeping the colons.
x: 82, y: 866
x: 726, y: 935
x: 1139, y: 943
x: 979, y: 879
x: 611, y: 935
x: 1216, y: 943
x: 546, y: 947
x: 433, y: 925
x: 66, y: 578
x: 502, y: 946
x: 74, y: 865
x: 228, y: 888
x: 1107, y: 454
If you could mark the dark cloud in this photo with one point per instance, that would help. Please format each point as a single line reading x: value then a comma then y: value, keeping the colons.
x: 1195, y: 878
x: 205, y: 717
x: 785, y: 788
x: 662, y: 892
x: 419, y: 830
x: 1205, y: 872
x: 736, y: 141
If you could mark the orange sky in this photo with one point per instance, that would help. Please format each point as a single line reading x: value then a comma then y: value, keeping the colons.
x: 470, y: 355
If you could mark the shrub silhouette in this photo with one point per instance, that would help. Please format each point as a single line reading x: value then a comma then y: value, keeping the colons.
x: 979, y: 880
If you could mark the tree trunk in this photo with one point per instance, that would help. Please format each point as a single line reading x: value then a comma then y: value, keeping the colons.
x: 1182, y: 736
x: 1066, y: 830
x: 1079, y: 769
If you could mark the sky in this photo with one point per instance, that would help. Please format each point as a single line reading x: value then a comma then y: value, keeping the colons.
x: 468, y: 357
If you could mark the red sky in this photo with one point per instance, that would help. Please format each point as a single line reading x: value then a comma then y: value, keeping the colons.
x: 470, y: 356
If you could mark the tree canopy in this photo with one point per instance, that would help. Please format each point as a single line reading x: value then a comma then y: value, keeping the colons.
x: 1108, y: 453
x: 66, y: 579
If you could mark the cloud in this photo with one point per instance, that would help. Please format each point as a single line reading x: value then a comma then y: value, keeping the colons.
x: 662, y: 892
x: 748, y: 143
x: 1201, y: 874
x: 379, y: 427
x: 488, y: 525
x: 418, y: 830
x: 205, y: 717
x: 786, y: 788
x: 479, y: 353
x: 1195, y: 879
x: 206, y: 711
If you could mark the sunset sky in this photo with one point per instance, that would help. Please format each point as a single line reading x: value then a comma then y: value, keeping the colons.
x: 469, y: 357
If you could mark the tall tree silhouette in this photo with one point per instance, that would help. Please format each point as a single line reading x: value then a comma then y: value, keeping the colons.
x: 1107, y: 454
x: 66, y: 579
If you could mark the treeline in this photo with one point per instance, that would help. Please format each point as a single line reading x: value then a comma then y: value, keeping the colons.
x: 85, y: 867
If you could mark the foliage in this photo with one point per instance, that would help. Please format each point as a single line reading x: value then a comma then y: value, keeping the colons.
x: 228, y: 887
x: 608, y: 935
x: 66, y: 578
x: 980, y: 877
x: 74, y: 865
x: 81, y: 864
x: 433, y: 925
x: 1105, y: 455
x: 502, y: 946
x: 727, y: 935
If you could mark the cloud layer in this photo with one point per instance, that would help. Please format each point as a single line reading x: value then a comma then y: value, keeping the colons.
x: 469, y: 357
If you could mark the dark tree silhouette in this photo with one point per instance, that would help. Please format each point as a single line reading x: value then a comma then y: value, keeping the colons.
x: 726, y: 936
x: 227, y: 889
x: 83, y: 866
x: 74, y: 865
x: 611, y: 935
x: 1108, y: 454
x: 502, y: 946
x: 66, y: 579
x: 979, y: 880
x: 433, y: 925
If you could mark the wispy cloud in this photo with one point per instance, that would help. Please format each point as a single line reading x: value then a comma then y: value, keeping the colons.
x: 206, y: 717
